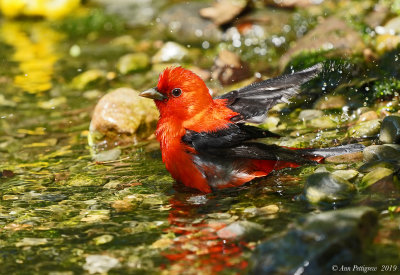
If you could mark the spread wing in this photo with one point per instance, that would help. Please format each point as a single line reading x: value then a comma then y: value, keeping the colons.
x: 235, y: 142
x: 253, y: 101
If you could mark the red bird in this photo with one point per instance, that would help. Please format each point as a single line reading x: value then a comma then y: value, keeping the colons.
x: 205, y: 143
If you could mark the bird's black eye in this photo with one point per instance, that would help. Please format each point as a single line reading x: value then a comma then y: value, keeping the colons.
x: 176, y: 92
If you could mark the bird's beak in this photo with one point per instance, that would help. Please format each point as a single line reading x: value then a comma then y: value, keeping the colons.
x: 153, y: 93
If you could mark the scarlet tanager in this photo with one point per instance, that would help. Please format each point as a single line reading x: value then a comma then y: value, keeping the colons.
x: 205, y: 143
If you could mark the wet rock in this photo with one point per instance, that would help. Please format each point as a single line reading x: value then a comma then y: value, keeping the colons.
x: 170, y: 52
x: 87, y: 79
x: 107, y: 155
x: 332, y: 34
x: 174, y: 22
x: 375, y: 176
x: 310, y: 114
x: 122, y: 117
x: 346, y: 174
x: 291, y: 3
x: 390, y: 130
x: 31, y: 242
x: 322, y: 240
x: 324, y: 122
x: 365, y: 129
x: 371, y: 166
x: 133, y: 62
x: 380, y: 152
x: 83, y: 180
x: 224, y: 11
x: 346, y: 158
x: 377, y: 16
x: 103, y: 239
x: 367, y: 116
x: 241, y: 230
x: 328, y: 188
x: 330, y: 102
x: 100, y: 264
x: 228, y: 68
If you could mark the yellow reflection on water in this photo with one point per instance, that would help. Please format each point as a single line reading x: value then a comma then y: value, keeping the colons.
x: 35, y: 46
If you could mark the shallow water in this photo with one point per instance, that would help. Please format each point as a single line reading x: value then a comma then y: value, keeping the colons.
x: 58, y: 206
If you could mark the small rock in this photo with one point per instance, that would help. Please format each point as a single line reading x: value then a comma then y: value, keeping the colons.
x: 380, y: 152
x: 170, y: 52
x: 323, y: 122
x: 365, y: 129
x: 310, y: 114
x: 241, y: 230
x: 346, y: 158
x: 174, y: 22
x: 133, y: 62
x: 228, y: 68
x: 346, y: 174
x: 31, y: 242
x: 122, y: 117
x: 367, y: 116
x: 87, y: 78
x: 390, y: 130
x: 331, y: 34
x: 330, y: 102
x: 371, y: 166
x: 103, y: 239
x: 319, y: 240
x: 269, y: 209
x: 124, y: 205
x: 7, y: 174
x: 327, y: 188
x: 375, y: 176
x: 224, y: 11
x: 100, y: 263
x: 107, y: 155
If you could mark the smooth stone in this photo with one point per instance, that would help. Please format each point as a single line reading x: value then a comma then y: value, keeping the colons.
x: 327, y: 188
x: 372, y: 166
x: 133, y: 62
x: 375, y: 176
x: 31, y: 242
x: 330, y: 102
x: 241, y: 230
x: 174, y: 22
x: 310, y: 114
x: 367, y: 116
x: 331, y: 34
x: 170, y: 52
x: 335, y: 237
x: 224, y: 11
x: 345, y: 158
x: 346, y: 174
x: 390, y: 130
x: 122, y: 117
x: 365, y: 129
x: 100, y: 264
x: 380, y: 152
x: 107, y: 155
x: 103, y: 239
x: 324, y: 122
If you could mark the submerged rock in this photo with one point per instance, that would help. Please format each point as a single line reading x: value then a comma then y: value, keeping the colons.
x: 330, y: 102
x: 122, y: 117
x: 371, y: 166
x: 390, y: 130
x: 318, y: 242
x: 224, y: 11
x: 328, y: 188
x: 346, y: 174
x: 346, y: 158
x: 310, y: 114
x: 88, y: 78
x: 365, y: 129
x: 381, y: 179
x: 241, y: 230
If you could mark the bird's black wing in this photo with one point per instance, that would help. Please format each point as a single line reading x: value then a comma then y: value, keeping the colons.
x: 233, y: 143
x: 253, y: 101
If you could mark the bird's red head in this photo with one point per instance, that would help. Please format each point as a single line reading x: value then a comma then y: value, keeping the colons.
x: 180, y: 93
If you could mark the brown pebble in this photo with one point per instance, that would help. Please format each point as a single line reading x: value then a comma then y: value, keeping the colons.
x: 346, y: 158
